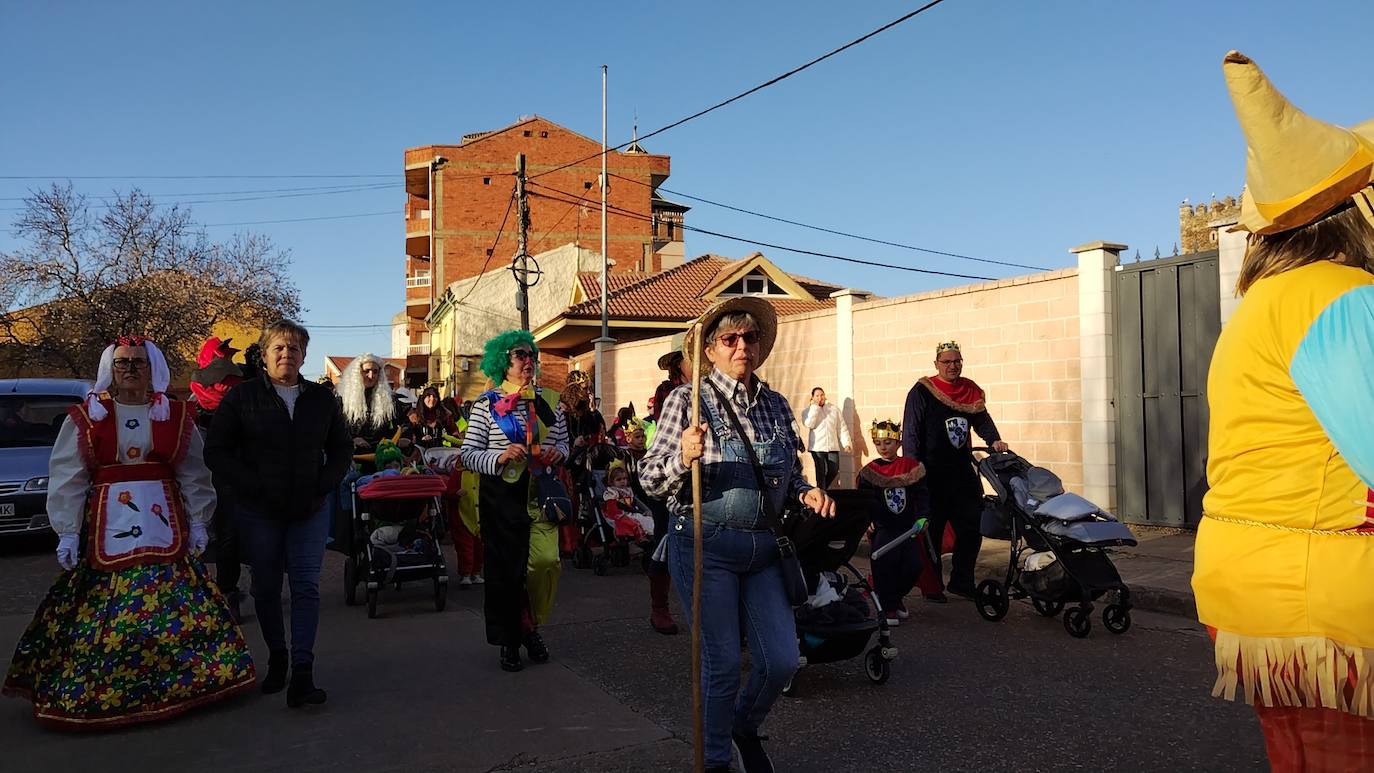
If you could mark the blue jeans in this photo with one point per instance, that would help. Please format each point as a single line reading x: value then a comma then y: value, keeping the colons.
x: 296, y: 548
x: 741, y: 594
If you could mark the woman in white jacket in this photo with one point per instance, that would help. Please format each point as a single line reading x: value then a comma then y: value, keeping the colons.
x: 829, y: 435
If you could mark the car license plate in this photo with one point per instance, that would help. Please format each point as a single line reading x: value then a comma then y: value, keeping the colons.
x: 6, y: 509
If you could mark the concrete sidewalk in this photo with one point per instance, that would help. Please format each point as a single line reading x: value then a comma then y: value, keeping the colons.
x: 1158, y: 571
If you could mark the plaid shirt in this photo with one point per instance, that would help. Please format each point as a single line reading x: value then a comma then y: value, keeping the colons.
x: 662, y: 473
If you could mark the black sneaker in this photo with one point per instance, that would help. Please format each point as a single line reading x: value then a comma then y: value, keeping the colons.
x: 539, y: 651
x: 749, y: 753
x: 277, y: 665
x: 302, y: 690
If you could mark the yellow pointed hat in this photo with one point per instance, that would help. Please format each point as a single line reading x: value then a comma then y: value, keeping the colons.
x: 1297, y: 168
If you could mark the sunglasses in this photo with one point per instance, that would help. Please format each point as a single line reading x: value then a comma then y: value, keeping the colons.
x: 749, y: 337
x: 129, y: 363
x: 522, y: 354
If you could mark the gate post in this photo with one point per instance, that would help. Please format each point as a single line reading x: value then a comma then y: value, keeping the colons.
x: 1097, y: 262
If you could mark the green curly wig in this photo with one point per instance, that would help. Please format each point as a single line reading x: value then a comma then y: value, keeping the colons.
x: 496, y: 353
x: 387, y: 452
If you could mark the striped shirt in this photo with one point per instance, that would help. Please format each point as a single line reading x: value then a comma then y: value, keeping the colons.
x: 485, y: 440
x: 662, y: 473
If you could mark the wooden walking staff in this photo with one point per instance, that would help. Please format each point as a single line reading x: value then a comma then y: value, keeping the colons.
x: 698, y: 731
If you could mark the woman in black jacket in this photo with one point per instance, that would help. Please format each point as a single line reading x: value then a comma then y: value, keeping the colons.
x: 281, y: 442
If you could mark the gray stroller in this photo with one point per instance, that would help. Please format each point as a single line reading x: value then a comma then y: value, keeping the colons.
x: 1058, y: 551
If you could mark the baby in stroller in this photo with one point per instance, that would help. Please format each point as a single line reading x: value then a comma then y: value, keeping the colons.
x: 627, y: 515
x: 393, y: 536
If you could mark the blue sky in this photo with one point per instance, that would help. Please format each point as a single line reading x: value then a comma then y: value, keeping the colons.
x: 1004, y: 129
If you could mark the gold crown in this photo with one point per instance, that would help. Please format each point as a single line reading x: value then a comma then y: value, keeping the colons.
x: 947, y: 346
x: 618, y: 464
x: 886, y: 430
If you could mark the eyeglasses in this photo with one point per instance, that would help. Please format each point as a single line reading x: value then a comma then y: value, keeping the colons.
x: 129, y: 363
x: 729, y: 340
x: 522, y: 354
x: 951, y: 362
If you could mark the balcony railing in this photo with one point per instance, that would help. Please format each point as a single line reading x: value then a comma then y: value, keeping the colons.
x: 418, y: 281
x: 418, y: 349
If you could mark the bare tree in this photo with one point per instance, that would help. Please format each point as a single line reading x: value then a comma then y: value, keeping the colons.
x: 81, y: 279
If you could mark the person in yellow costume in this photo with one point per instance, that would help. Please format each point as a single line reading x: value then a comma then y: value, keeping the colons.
x: 1284, y: 573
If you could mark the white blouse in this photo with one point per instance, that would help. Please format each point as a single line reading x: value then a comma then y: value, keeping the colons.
x: 69, y: 481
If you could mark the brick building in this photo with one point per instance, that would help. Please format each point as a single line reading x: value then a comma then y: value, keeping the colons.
x: 460, y: 217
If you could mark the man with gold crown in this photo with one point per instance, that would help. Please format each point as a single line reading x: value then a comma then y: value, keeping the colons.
x: 1285, y: 550
x: 133, y: 630
x: 942, y: 413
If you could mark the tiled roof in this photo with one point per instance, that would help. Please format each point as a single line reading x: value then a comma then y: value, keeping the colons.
x: 615, y: 280
x: 675, y: 295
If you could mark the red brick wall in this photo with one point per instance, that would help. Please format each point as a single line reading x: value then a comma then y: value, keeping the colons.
x: 478, y: 181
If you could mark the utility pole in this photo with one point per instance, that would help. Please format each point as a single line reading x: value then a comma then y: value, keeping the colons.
x: 605, y: 260
x: 522, y: 276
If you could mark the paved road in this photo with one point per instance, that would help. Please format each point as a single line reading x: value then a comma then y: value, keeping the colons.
x: 419, y: 691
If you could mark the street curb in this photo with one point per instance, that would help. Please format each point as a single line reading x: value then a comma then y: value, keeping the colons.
x: 1164, y: 601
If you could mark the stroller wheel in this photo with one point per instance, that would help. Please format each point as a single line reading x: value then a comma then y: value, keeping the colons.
x: 1047, y: 608
x: 1116, y: 618
x: 582, y: 557
x: 372, y: 602
x: 1077, y: 622
x: 440, y: 595
x: 991, y: 598
x: 876, y: 666
x: 350, y: 577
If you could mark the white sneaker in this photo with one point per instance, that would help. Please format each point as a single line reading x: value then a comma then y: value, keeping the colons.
x: 477, y: 579
x: 902, y: 612
x: 893, y: 621
x: 466, y: 582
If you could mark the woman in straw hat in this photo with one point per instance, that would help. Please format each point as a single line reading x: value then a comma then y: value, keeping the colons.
x: 1285, y: 550
x: 742, y: 593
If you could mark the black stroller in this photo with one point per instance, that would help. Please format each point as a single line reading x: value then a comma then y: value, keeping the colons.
x: 412, y: 506
x: 598, y: 547
x: 1058, y: 543
x: 842, y: 629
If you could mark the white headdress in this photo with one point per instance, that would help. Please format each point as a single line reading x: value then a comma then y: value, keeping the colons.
x: 356, y: 407
x: 161, y: 410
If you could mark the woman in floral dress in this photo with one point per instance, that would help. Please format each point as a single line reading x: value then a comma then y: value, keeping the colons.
x: 133, y: 630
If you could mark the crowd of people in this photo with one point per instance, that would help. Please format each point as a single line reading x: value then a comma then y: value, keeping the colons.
x: 135, y: 629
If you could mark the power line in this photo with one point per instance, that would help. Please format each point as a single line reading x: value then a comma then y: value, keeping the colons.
x: 490, y: 251
x: 349, y: 189
x: 580, y: 201
x: 757, y: 88
x: 192, y: 177
x: 305, y: 219
x: 217, y: 193
x: 860, y: 237
x: 769, y: 245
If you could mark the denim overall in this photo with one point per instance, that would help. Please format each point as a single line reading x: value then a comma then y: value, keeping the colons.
x: 742, y: 594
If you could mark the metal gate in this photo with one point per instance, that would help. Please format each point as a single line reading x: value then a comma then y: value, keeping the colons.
x: 1168, y: 317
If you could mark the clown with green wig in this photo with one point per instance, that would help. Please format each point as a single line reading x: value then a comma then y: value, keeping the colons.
x: 515, y: 432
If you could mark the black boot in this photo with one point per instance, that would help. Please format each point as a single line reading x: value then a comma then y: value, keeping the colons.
x: 539, y: 651
x: 303, y: 689
x: 277, y: 664
x: 510, y: 659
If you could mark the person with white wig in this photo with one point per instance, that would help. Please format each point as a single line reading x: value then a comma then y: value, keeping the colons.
x: 369, y: 406
x: 133, y: 630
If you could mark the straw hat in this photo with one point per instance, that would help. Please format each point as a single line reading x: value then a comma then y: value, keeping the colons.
x: 762, y: 312
x: 1297, y: 168
x: 666, y: 361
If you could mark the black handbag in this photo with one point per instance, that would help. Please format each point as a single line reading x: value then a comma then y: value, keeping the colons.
x: 789, y: 563
x: 549, y: 493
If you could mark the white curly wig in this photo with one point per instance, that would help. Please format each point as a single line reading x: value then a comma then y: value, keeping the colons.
x: 354, y: 394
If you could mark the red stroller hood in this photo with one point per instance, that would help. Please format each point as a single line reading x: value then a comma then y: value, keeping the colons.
x: 404, y: 487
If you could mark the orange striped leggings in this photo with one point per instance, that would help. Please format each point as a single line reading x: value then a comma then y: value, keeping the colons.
x: 1316, y: 739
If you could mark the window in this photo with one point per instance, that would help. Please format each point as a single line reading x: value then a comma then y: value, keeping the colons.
x: 543, y: 135
x: 586, y: 186
x: 486, y: 181
x: 489, y: 253
x: 528, y: 133
x: 672, y: 231
x: 754, y: 284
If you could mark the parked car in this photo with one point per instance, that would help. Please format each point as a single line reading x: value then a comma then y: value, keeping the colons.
x: 31, y: 413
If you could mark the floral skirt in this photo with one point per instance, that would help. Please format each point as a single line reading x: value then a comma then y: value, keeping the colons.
x: 136, y: 645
